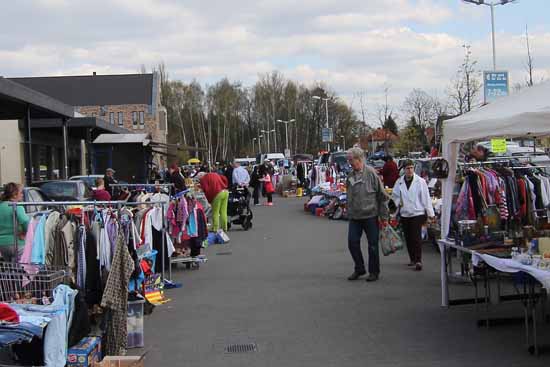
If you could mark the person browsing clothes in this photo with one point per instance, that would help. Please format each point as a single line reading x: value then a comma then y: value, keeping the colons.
x: 12, y: 193
x: 214, y: 186
x: 367, y: 210
x: 412, y: 198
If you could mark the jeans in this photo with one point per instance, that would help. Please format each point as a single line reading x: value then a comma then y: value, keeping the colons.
x: 355, y: 231
x: 219, y: 211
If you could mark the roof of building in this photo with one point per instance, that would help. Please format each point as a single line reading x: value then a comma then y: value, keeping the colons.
x: 16, y: 98
x: 144, y: 139
x: 381, y: 135
x: 94, y: 90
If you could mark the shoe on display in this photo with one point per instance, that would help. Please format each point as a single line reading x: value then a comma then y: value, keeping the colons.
x: 356, y: 275
x: 372, y: 278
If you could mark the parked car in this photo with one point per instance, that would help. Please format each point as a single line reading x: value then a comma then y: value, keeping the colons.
x: 33, y: 194
x: 69, y: 190
x: 89, y: 180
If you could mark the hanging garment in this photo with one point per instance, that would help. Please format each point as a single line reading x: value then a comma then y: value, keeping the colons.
x: 49, y: 235
x: 115, y: 298
x: 81, y: 258
x: 38, y: 255
x: 29, y: 237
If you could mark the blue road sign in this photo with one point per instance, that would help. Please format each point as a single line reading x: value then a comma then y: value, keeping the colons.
x: 496, y: 84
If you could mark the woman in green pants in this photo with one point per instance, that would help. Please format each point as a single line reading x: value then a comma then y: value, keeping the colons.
x: 12, y: 193
x: 215, y: 190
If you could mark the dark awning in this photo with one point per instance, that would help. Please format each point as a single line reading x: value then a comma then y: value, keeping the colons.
x: 79, y: 124
x: 16, y: 98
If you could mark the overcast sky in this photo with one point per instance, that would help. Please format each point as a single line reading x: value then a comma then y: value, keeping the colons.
x: 353, y: 45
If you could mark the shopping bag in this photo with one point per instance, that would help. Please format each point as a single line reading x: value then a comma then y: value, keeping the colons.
x: 390, y: 240
x: 223, y: 236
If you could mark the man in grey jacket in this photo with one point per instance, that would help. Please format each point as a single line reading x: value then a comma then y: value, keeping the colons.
x: 367, y: 210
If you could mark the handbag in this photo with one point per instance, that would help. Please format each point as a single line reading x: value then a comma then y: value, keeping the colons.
x: 390, y: 240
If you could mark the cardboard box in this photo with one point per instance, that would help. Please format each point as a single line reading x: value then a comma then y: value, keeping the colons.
x: 85, y: 353
x: 121, y: 361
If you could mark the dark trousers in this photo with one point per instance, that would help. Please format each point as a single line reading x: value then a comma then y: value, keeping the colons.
x: 256, y: 194
x: 412, y: 230
x: 269, y: 197
x: 355, y: 231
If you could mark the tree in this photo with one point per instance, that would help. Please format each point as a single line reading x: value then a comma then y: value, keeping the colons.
x: 465, y: 86
x: 422, y: 107
x: 391, y: 125
x: 410, y: 138
x: 529, y: 61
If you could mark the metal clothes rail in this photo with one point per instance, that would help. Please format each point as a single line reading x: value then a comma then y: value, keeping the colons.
x: 118, y: 204
x: 142, y: 185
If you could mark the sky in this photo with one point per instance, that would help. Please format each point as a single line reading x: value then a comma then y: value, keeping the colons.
x: 356, y: 47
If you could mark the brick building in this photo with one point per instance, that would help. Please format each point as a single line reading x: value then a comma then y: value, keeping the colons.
x: 129, y: 101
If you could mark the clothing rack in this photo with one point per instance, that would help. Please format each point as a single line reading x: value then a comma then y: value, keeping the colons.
x: 141, y: 185
x: 118, y: 204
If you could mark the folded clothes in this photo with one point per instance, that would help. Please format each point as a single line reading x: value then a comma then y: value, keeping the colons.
x: 23, y: 332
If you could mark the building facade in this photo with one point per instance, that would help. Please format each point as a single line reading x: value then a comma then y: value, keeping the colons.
x: 128, y: 101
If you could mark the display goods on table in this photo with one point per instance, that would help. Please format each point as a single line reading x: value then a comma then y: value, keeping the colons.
x: 500, y: 220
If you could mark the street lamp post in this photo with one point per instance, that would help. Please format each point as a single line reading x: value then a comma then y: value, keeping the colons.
x: 343, y: 138
x: 260, y: 143
x: 266, y: 132
x: 286, y: 130
x: 254, y: 145
x: 492, y: 6
x: 326, y: 109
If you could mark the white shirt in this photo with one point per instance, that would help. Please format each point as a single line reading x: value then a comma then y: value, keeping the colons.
x: 415, y: 200
x: 241, y: 176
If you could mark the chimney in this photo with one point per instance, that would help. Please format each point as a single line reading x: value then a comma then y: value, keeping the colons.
x: 94, y: 74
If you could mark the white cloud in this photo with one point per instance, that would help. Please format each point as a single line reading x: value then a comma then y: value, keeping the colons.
x: 348, y: 44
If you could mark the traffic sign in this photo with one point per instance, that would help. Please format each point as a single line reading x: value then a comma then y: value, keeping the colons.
x: 327, y: 135
x: 496, y: 84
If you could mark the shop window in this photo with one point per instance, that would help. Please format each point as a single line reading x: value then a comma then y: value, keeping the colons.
x: 141, y: 120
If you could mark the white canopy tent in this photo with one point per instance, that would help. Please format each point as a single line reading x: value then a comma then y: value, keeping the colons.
x: 526, y: 113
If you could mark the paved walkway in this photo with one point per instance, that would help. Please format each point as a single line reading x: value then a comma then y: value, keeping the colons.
x: 284, y: 288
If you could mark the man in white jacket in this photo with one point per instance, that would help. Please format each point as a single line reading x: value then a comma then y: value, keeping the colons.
x: 412, y: 198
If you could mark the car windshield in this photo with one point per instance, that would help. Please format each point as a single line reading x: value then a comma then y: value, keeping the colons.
x: 60, y: 189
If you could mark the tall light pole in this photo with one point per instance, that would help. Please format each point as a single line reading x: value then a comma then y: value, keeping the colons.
x: 344, y: 138
x: 286, y: 130
x: 254, y: 145
x: 326, y: 109
x: 492, y: 5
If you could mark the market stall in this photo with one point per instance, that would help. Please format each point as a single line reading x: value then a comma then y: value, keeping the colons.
x: 526, y: 114
x: 107, y: 253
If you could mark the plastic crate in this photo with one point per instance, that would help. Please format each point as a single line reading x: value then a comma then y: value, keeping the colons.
x: 135, y: 324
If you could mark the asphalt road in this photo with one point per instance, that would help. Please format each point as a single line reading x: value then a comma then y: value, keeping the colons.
x: 284, y: 288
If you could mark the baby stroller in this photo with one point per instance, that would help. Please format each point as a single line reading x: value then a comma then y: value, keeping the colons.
x: 238, y: 207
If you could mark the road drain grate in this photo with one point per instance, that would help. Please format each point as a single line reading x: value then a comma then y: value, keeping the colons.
x: 224, y: 253
x: 241, y: 348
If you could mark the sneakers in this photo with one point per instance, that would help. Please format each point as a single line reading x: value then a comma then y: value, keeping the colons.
x: 269, y: 204
x: 418, y: 266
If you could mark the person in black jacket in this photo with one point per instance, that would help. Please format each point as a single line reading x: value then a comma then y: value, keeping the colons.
x: 256, y: 185
x: 176, y: 178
